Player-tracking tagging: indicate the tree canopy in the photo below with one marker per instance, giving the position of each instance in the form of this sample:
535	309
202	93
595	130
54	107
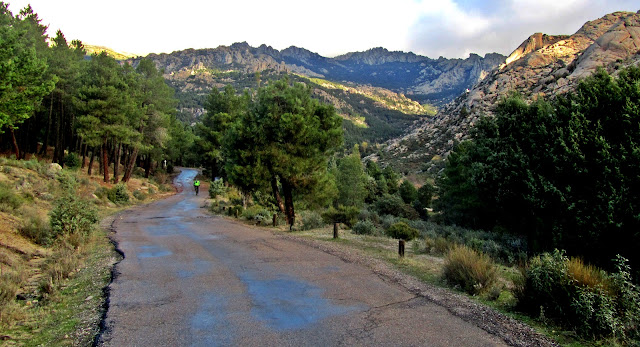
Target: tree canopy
565	173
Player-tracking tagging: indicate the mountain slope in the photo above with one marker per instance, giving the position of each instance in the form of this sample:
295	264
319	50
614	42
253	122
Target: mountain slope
541	66
376	91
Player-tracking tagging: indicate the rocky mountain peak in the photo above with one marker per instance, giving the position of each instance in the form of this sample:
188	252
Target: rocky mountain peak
543	65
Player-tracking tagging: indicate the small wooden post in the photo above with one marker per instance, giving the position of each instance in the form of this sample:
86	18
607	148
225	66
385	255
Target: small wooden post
335	230
275	219
401	248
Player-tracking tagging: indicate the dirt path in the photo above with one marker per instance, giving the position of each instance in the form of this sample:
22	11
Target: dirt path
192	279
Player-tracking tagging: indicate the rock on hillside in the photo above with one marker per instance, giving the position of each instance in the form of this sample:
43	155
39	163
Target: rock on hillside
541	66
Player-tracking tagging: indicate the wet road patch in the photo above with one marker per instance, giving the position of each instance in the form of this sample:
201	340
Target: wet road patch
210	325
152	252
285	303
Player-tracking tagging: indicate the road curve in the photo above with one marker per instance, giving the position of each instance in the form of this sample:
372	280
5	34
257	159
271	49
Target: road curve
192	279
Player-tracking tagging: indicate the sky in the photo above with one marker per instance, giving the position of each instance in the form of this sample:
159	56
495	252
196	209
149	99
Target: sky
433	28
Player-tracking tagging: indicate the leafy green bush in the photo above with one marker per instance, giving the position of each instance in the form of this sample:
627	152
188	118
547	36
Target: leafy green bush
365	227
72	161
402	231
310	220
473	272
581	297
217	188
118	194
9	200
72	215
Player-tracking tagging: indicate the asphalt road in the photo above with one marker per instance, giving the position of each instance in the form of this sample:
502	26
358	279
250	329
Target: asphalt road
192	279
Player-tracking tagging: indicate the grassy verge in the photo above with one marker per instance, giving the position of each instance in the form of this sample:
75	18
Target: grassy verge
51	284
70	316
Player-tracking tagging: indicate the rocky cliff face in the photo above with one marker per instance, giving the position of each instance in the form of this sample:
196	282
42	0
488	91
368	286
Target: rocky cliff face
541	66
423	79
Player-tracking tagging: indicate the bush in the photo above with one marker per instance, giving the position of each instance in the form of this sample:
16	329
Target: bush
72	161
236	210
310	220
258	213
469	270
71	215
139	195
9	201
101	192
118	194
402	231
581	297
217	188
365	227
37	230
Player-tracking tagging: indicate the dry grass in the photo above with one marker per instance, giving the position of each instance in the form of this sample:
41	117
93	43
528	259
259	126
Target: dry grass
473	272
587	275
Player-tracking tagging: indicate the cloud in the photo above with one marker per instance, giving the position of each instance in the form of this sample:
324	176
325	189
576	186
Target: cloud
457	28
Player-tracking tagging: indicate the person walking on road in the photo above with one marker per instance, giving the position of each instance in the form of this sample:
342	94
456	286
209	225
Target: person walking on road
196	186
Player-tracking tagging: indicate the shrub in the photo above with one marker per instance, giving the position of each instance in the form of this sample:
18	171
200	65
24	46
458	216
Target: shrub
101	192
10	282
310	220
9	200
402	231
37	229
235	210
139	195
580	296
72	161
473	272
118	194
365	227
391	205
258	213
217	188
72	215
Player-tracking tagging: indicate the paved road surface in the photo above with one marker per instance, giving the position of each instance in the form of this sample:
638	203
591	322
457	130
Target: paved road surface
192	279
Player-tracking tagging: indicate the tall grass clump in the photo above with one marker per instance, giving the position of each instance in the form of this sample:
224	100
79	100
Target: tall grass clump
9	200
473	272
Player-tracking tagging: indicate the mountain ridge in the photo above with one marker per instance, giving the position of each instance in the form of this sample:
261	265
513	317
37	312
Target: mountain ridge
542	66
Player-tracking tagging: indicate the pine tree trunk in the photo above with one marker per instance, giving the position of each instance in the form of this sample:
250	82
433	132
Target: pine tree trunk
287	190
84	155
105	161
147	166
45	144
130	164
15	143
116	164
93	154
276	194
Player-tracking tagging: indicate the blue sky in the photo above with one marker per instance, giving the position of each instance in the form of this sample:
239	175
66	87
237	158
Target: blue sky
449	28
